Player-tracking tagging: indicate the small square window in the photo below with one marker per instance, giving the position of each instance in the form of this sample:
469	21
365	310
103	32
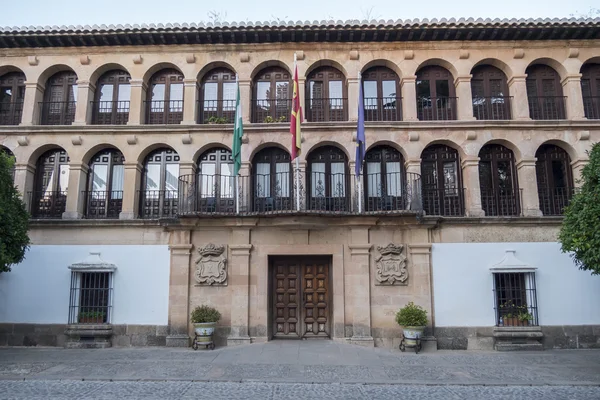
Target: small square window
515	299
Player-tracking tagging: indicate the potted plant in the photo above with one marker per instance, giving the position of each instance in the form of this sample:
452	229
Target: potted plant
216	120
91	317
524	316
413	319
513	315
205	319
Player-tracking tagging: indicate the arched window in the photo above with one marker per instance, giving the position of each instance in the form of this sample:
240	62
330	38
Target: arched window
272	94
328	180
104	196
498	181
217	97
12	93
384	180
272	180
160	184
442	185
544	93
489	90
60	99
554	179
111	105
590	89
51	184
381	94
436	97
165	98
11	155
216	181
326	95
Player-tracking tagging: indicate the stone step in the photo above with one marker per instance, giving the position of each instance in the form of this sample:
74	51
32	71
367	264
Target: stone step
519	347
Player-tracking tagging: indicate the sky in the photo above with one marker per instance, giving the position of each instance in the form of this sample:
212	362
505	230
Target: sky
86	12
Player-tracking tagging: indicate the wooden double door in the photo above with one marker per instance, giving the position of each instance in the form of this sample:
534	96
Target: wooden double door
300	297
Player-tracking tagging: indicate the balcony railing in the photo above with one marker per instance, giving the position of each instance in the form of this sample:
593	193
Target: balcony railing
446	202
501	202
271	110
554	201
327	110
591	107
158	203
383	109
103	204
10	113
492	108
57	112
110	112
216	112
547	107
393	191
47	204
436	109
164	112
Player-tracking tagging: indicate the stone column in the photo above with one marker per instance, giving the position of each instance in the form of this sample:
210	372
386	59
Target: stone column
132	177
85	94
246	100
239	279
413	183
179	289
470	167
574	101
421	274
136	102
519	105
24	176
528	189
408	86
577	167
353	99
190	103
34	94
358	284
75	198
464	103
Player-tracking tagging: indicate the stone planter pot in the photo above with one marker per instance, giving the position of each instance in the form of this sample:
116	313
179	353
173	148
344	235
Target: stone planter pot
411	334
204	333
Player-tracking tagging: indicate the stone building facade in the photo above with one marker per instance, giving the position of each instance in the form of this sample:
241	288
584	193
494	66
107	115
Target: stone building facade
476	133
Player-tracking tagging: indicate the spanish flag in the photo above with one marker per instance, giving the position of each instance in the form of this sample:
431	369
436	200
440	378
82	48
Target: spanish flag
296	118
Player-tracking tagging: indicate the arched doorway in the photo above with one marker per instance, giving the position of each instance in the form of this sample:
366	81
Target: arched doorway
217	97
60	99
104	194
51	183
436	96
498	181
12	94
544	93
159	194
489	90
442	183
381	95
384	180
165	98
216	183
554	179
272	180
272	96
111	100
328	183
326	96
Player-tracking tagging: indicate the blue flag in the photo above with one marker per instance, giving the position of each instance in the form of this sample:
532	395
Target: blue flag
360	131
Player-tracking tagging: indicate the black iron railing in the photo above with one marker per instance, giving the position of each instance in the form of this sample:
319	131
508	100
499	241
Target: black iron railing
216	112
515	299
11	113
47	204
392	191
57	112
103	204
158	203
501	202
436	109
327	110
553	201
492	108
383	109
547	107
328	192
90	300
591	107
164	112
271	110
446	202
110	112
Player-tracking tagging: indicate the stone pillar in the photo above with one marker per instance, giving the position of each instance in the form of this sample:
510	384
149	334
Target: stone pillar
353	99
85	94
413	184
358	284
34	94
577	167
246	100
528	189
303	179
24	177
75	198
239	279
408	86
190	103
136	102
131	185
470	167
179	289
421	274
464	103
574	101
519	105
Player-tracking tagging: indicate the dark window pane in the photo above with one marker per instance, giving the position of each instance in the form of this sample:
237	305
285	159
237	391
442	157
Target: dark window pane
559	174
442	89
423	89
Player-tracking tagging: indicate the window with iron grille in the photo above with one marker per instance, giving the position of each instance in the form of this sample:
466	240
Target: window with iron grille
515	298
91	297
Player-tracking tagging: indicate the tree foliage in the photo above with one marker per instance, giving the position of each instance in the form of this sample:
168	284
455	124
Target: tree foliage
14	219
580	231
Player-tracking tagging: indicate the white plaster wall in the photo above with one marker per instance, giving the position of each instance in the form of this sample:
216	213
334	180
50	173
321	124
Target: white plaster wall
462	284
37	290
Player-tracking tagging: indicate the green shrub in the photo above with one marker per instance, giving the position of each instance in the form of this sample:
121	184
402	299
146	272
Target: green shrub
411	315
203	314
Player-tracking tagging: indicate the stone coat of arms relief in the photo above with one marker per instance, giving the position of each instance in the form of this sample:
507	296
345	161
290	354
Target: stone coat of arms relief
391	266
211	266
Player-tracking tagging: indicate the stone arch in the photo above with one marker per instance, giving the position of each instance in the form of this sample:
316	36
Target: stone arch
552	63
326	63
50	71
591	60
501	65
157	67
149	149
104	68
506	143
38	152
267	64
7	69
440	62
213	65
380	62
207	147
446	142
328	143
563	145
263	146
90	153
389	143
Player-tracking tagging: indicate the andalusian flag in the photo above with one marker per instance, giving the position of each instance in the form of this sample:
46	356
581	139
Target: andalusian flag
296	118
238	132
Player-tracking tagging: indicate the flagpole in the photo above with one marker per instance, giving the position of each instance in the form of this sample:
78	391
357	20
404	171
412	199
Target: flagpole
297	158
